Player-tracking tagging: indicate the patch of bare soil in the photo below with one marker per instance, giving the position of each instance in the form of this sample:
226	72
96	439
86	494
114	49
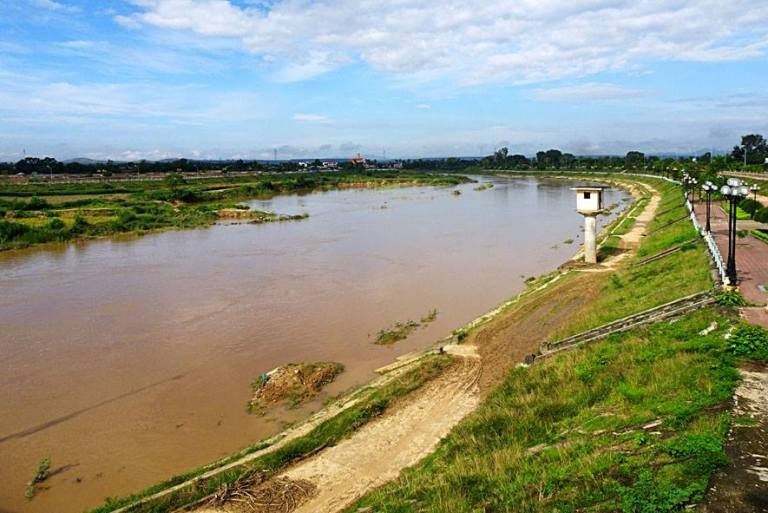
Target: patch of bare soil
377	452
742	485
295	382
505	341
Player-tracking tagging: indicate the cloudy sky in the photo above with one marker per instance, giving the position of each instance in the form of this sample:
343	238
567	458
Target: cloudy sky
239	78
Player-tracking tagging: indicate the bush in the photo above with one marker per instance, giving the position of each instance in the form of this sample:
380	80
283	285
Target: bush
730	298
10	231
749	340
762	215
750	205
56	224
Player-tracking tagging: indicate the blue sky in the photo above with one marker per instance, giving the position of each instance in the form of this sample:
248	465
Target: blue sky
236	79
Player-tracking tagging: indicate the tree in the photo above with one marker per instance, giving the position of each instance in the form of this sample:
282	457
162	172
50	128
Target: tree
634	159
174	180
753	149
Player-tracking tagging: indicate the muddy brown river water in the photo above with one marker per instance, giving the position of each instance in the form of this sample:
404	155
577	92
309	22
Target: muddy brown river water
128	361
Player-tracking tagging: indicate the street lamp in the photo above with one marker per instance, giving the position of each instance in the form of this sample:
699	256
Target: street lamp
754	190
734	191
708	188
688	183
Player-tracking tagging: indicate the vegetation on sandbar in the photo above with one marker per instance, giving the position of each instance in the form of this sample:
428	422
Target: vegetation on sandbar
401	330
54	212
295	383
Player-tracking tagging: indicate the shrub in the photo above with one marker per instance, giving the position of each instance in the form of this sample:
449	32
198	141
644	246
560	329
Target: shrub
749	340
730	298
762	215
80	225
750	205
10	231
56	224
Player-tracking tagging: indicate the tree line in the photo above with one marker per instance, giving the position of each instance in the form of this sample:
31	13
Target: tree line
752	153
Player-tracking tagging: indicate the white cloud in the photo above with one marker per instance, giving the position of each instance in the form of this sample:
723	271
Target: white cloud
423	106
470	42
590	91
49	4
309	117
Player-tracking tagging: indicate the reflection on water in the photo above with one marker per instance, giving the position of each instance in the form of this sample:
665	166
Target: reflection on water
130	360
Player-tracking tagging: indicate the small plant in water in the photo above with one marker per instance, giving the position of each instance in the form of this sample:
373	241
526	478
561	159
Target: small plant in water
399	331
431	316
41	474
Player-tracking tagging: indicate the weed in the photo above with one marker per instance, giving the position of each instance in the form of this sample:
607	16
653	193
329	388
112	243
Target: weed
430	317
749	340
41	474
730	297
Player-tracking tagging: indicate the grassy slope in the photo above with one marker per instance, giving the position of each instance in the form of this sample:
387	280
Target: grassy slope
634	288
588	407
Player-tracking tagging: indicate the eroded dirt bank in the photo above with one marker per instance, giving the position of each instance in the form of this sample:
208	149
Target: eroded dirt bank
742	485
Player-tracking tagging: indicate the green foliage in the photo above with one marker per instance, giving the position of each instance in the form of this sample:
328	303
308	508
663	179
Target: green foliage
649	494
750	206
761	234
730	297
749	340
41	474
762	215
399	331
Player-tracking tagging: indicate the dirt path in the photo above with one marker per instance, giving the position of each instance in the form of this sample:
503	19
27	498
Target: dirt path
742	486
377	452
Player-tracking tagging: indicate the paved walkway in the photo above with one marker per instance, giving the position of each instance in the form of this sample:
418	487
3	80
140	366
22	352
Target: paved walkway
751	260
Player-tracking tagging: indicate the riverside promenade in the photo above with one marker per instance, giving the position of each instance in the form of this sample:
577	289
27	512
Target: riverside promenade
751	259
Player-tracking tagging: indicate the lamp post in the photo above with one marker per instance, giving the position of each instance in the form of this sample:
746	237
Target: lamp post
708	187
754	190
734	191
688	183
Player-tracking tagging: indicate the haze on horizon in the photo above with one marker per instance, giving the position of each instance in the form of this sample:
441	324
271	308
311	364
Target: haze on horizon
158	79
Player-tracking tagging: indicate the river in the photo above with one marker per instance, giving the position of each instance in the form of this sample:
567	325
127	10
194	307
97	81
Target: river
126	361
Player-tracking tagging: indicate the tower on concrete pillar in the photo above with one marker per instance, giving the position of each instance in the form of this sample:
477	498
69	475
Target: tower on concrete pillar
589	203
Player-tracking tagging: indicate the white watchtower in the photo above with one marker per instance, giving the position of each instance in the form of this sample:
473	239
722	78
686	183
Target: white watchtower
589	203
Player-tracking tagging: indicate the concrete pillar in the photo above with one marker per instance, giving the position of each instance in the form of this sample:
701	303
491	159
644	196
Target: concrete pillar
590	239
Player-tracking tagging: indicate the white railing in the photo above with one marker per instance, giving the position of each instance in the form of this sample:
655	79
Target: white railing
714	252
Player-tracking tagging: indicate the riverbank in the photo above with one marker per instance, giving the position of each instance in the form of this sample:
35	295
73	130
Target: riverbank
188	318
68	212
564	291
583	429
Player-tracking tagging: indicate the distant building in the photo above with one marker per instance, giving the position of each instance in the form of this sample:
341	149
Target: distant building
358	159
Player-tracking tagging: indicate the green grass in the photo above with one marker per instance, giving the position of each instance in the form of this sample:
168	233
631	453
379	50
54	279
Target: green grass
374	402
760	234
634	288
567	435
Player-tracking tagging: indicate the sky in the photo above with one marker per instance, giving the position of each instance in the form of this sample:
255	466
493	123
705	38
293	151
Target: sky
226	79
